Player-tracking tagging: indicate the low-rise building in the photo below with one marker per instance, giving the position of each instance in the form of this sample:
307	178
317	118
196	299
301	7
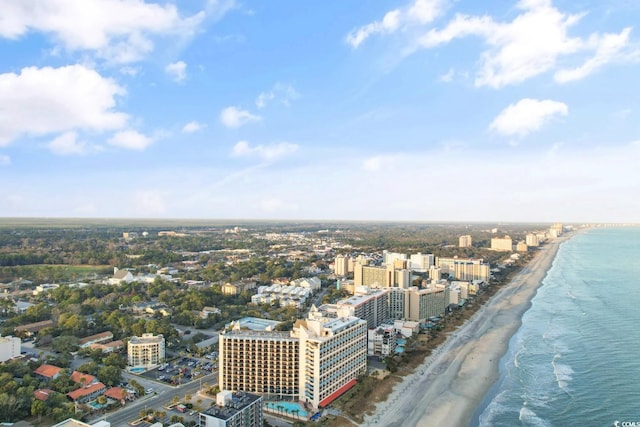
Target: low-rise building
48	372
88	393
108	347
97	338
31	329
381	341
238	409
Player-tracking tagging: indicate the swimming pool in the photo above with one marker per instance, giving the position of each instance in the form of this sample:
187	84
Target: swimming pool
287	408
96	405
137	370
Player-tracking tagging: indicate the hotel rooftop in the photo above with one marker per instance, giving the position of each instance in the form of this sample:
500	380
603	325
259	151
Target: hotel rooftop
238	402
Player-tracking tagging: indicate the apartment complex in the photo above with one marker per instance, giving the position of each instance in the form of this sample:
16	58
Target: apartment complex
368	304
421	262
341	265
381	277
9	348
532	240
315	362
465	241
264	362
502	244
464	268
233	410
147	350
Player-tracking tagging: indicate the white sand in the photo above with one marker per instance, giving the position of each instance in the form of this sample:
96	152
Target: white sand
451	383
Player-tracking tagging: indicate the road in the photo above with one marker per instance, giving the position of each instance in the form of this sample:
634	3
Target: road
163	397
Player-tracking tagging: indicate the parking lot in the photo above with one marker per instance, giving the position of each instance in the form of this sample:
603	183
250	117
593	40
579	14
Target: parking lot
181	370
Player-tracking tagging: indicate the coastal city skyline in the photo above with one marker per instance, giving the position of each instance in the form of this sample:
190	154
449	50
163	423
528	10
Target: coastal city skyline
423	110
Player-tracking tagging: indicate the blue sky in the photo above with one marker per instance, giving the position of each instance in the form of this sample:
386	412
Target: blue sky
426	110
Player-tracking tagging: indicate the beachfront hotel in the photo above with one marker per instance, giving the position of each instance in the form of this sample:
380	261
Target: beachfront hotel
504	244
315	362
145	351
381	277
464	268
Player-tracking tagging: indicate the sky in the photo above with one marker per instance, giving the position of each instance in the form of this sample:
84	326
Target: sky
423	110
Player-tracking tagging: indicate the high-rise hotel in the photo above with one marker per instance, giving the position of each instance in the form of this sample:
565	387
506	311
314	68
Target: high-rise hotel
314	363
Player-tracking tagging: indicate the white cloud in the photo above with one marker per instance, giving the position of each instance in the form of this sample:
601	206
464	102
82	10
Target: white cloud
529	45
265	152
117	30
131	140
448	76
526	116
5	160
389	24
39	101
177	71
283	93
607	49
378	163
192	127
68	144
420	12
233	117
216	9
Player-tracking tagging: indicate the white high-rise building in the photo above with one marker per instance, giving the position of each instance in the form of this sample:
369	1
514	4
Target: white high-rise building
316	362
421	262
465	268
9	348
146	351
532	240
388	258
502	244
465	241
341	265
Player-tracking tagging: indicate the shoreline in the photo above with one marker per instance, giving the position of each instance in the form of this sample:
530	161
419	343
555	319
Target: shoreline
450	385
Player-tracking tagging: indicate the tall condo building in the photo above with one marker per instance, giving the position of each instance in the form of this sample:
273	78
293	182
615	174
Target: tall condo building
532	240
465	268
341	265
381	277
147	350
417	304
316	362
465	241
388	258
502	244
421	262
9	348
368	304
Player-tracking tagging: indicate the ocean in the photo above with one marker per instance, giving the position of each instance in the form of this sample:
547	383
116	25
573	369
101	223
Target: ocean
575	361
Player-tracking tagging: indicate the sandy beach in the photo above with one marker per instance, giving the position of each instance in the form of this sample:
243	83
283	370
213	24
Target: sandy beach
448	387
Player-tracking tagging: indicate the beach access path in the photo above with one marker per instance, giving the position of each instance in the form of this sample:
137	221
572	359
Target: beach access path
450	384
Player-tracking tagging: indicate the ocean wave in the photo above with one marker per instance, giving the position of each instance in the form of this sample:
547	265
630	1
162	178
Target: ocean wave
563	373
493	410
530	418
